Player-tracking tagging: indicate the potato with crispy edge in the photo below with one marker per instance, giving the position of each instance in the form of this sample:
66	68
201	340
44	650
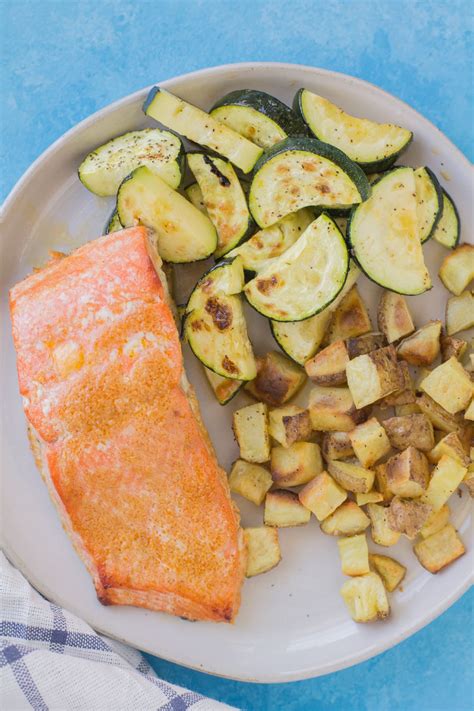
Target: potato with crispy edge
393	316
408	473
469	479
333	410
469	413
337	445
369	442
457	268
391	571
250	425
347	520
366	598
410	408
352	477
438	416
263	550
354	554
446	477
250	481
408	516
460	312
440	549
278	379
452	446
350	319
452	346
322	496
381	483
372	497
372	376
381	531
283	508
405	395
423	346
328	367
289	424
297	464
410	431
436	521
450	386
361	345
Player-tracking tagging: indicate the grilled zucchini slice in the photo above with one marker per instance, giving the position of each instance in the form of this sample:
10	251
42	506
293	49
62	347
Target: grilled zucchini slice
194	194
196	125
374	146
383	233
429	202
113	223
223	388
448	229
303	172
105	168
306	278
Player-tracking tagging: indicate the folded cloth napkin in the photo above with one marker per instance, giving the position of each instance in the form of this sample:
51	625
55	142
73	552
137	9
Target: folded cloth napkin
50	659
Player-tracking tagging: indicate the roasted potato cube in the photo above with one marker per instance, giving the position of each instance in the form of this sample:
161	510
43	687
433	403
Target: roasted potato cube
440	549
436	521
297	464
469	414
347	520
421	374
369	442
354	555
365	344
322	496
438	416
457	268
352	477
372	497
446	477
337	445
405	395
469	479
451	445
283	508
460	312
328	367
250	481
289	424
409	409
350	319
278	379
381	482
408	473
366	598
393	316
410	431
408	516
263	550
250	427
452	346
391	571
450	386
423	346
382	533
373	376
333	409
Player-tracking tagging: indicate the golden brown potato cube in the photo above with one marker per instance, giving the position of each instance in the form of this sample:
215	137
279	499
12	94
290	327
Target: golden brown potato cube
440	549
250	481
297	464
391	571
393	316
250	427
452	346
289	424
410	431
278	379
457	268
354	554
263	550
372	497
408	516
450	386
409	409
350	319
381	483
352	477
451	445
438	416
421	374
423	346
365	344
366	598
446	477
436	521
460	312
408	473
283	508
405	395
322	496
333	410
469	414
469	479
347	520
337	445
382	533
373	376
369	442
328	367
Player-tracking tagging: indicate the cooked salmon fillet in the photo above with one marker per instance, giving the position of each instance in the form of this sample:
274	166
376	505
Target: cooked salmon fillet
116	431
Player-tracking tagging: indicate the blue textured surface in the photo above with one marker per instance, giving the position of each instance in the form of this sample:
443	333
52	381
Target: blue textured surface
63	60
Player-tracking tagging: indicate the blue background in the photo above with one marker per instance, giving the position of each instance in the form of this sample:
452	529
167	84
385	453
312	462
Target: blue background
63	60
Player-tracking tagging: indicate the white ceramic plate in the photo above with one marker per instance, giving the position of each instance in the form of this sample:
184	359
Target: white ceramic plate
293	623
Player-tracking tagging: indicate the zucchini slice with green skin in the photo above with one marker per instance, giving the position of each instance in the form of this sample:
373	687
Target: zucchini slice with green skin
374	146
269	243
448	230
183	233
224	199
223	388
258	116
194	194
113	223
227	276
303	172
429	200
383	233
304	279
105	168
300	340
198	126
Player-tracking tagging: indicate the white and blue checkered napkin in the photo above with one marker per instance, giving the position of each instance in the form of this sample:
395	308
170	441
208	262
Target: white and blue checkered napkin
52	660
